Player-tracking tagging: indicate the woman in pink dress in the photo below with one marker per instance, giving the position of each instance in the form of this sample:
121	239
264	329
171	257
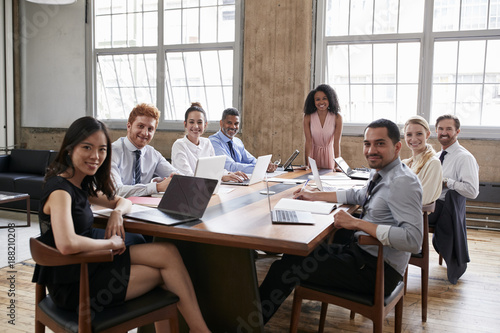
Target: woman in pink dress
322	126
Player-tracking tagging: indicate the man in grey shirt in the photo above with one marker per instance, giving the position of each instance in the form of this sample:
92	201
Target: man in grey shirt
391	212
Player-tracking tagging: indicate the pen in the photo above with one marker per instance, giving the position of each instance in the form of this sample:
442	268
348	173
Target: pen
304	186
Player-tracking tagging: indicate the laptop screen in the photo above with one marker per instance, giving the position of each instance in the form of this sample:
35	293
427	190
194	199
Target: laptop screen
188	195
343	165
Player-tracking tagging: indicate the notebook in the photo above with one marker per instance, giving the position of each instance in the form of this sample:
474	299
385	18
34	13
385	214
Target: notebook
317	178
185	199
258	174
212	168
353	174
287	166
287	216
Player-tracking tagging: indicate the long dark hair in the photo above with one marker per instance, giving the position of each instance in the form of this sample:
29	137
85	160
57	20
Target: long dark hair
79	130
333	100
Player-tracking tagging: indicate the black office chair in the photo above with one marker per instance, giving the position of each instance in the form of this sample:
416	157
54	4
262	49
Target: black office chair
374	306
157	305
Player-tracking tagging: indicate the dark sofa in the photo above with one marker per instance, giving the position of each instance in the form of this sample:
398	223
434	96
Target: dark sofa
22	171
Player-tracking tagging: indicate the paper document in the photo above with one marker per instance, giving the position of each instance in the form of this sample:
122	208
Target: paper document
316	207
107	211
286	180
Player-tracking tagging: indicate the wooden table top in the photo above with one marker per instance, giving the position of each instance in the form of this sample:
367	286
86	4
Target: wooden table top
241	218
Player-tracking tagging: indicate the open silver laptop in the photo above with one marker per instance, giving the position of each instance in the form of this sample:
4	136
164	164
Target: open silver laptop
185	199
287	166
212	168
317	178
258	173
279	216
353	174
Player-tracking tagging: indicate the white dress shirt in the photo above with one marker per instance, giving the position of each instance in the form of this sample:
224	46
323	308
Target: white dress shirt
461	170
153	164
185	154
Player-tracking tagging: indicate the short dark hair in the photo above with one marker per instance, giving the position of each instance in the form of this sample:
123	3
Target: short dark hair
195	106
230	112
449	116
392	129
79	130
333	100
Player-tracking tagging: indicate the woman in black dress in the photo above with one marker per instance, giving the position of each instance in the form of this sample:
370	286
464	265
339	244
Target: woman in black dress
79	177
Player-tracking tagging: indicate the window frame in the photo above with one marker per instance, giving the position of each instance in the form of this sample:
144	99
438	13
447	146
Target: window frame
427	39
161	50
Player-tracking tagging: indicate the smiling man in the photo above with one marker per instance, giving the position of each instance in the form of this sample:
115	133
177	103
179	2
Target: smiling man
392	213
460	181
225	143
134	162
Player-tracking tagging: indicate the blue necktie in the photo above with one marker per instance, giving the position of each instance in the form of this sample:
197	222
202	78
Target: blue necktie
443	154
137	168
231	149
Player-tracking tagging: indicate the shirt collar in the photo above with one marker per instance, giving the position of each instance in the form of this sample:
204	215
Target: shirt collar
223	137
453	148
129	145
389	167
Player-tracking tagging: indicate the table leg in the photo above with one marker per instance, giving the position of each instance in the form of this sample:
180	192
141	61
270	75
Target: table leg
226	286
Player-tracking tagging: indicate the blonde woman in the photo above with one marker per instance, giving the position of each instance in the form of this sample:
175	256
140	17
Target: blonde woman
423	160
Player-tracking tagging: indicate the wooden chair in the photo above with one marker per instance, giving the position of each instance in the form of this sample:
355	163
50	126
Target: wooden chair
422	259
157	305
374	306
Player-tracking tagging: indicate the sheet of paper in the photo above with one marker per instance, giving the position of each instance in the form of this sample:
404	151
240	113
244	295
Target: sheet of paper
107	211
285	180
317	207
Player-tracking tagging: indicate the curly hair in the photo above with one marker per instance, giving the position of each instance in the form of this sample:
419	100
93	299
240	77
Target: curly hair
333	101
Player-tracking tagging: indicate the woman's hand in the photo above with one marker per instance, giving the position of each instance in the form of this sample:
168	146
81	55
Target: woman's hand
237	177
117	245
115	225
303	195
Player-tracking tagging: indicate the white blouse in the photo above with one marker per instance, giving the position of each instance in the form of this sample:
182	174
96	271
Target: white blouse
431	178
185	154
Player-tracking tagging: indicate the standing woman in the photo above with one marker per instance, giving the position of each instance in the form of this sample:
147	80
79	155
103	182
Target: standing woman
423	160
322	126
187	150
81	176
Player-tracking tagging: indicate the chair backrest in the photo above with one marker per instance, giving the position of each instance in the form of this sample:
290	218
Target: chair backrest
379	277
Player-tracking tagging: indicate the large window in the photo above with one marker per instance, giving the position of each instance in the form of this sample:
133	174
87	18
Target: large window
397	58
168	53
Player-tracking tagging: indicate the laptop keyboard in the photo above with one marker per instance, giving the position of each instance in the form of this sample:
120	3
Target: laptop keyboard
285	216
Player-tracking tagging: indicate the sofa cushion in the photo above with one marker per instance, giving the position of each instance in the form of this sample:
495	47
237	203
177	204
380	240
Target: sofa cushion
8	181
31	185
29	161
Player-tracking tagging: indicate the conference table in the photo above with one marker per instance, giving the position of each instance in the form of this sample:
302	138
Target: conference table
218	250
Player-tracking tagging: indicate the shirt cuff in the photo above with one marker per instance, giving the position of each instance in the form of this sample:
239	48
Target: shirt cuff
151	188
383	234
342	196
450	184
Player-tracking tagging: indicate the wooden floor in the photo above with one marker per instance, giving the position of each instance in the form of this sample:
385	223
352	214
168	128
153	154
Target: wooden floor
472	305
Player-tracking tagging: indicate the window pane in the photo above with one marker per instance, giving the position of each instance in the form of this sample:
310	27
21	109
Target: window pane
124	81
407	102
338	65
384	101
491	105
384	63
361	17
172	24
226	23
337	18
469	98
411	16
408	62
446	15
494	20
492	62
198	76
208	25
471	61
443	100
361	104
386	16
474	14
360	63
445	62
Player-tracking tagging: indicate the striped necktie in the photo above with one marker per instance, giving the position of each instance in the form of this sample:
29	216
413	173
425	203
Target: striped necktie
137	167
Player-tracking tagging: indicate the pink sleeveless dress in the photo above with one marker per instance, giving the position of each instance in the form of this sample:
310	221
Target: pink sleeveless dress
322	140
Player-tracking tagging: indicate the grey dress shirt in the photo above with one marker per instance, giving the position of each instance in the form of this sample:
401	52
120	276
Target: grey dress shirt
396	207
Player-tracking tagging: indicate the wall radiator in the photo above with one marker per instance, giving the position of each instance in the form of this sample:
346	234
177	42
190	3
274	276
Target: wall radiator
484	211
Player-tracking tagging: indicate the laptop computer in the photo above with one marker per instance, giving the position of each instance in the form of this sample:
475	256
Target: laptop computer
212	168
185	199
353	174
317	178
279	216
287	166
258	173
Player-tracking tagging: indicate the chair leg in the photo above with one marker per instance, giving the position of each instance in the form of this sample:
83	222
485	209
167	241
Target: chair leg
405	278
440	260
353	314
425	290
398	316
322	317
296	307
39	327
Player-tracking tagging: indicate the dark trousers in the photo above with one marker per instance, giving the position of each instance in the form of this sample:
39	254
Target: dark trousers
344	266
